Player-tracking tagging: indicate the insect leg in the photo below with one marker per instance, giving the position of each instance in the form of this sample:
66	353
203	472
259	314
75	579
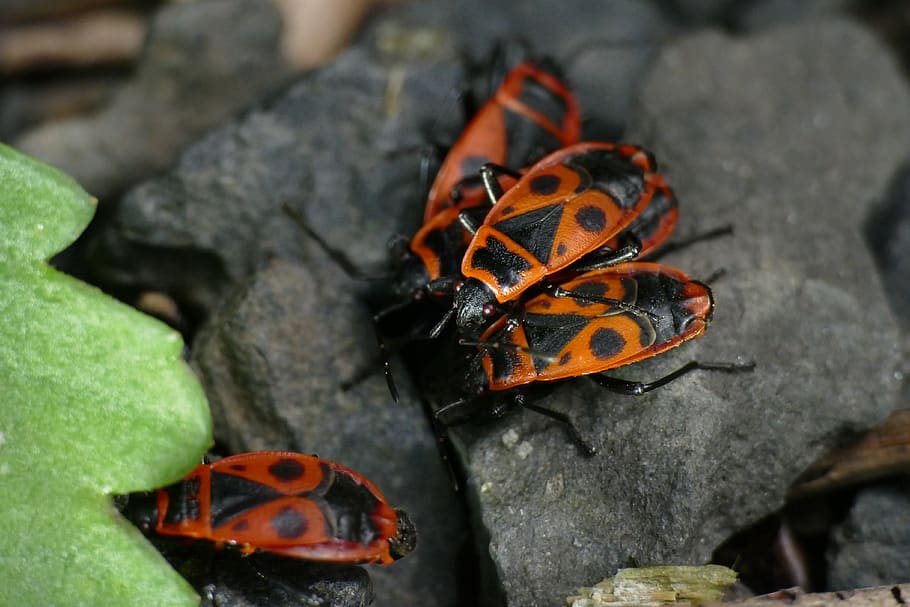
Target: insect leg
605	257
586	448
636	388
488	173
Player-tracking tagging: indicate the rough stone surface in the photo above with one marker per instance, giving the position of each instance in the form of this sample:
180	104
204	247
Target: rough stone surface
187	81
888	234
342	146
229	579
604	47
790	136
272	360
872	546
769	13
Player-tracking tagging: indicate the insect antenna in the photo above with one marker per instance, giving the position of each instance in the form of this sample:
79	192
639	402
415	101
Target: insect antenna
618	303
604	42
442	324
719	231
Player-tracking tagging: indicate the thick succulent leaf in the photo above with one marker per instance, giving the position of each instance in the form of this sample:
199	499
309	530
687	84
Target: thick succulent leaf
94	400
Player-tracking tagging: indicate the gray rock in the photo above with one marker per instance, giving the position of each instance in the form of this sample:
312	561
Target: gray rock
769	13
701	12
344	143
272	360
342	146
190	78
604	47
790	136
888	234
872	546
229	579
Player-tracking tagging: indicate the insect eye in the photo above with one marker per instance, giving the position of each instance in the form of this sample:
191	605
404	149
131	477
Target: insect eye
418	294
456	286
489	310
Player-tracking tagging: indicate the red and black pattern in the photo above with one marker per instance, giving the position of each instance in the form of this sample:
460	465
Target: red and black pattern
280	502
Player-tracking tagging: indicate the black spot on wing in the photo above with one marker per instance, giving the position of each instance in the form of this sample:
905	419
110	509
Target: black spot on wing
545	185
591	219
287	470
289	524
606	343
589	289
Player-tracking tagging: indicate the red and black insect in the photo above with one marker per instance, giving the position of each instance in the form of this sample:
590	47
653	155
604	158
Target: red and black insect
599	321
569	205
279	502
532	113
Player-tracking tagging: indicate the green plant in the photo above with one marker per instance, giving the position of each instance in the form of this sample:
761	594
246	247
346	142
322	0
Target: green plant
94	400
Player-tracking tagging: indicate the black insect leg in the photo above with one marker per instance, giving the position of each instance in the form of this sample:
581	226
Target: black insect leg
605	258
724	230
586	448
489	173
471	218
636	388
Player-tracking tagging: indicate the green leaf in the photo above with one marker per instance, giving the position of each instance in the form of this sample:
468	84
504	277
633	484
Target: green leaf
94	400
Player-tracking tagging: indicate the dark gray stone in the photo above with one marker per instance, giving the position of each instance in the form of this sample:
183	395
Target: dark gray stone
790	136
230	579
190	77
342	146
769	13
604	47
888	234
700	12
272	360
872	546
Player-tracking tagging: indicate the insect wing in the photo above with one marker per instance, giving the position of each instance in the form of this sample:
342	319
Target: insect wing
566	206
565	337
532	113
